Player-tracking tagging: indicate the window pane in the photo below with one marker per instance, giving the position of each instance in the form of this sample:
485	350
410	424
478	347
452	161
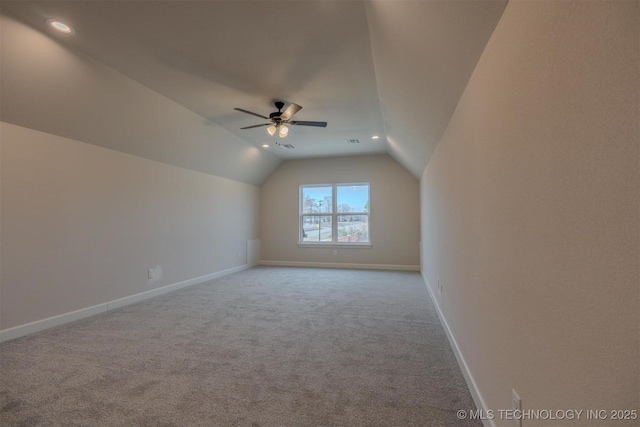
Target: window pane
316	228
353	228
316	200
353	198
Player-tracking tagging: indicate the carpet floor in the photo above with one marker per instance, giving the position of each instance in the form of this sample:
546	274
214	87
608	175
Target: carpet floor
264	347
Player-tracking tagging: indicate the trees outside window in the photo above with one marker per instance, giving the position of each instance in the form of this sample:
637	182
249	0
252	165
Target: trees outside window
334	213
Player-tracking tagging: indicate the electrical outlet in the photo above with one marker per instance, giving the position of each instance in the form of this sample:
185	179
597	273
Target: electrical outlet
150	274
516	405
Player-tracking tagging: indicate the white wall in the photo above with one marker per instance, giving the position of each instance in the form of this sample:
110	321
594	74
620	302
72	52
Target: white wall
395	211
82	224
530	211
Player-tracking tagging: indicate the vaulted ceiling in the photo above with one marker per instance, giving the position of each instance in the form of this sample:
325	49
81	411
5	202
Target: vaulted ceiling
160	79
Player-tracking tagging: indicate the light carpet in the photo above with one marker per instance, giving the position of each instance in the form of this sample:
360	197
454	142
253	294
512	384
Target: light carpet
268	346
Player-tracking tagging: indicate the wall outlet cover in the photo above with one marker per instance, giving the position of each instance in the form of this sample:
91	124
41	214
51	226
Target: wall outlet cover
516	405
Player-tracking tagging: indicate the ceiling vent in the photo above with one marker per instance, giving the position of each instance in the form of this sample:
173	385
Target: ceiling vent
352	141
286	146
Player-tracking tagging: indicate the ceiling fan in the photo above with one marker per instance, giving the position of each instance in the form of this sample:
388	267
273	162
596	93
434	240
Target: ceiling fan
279	120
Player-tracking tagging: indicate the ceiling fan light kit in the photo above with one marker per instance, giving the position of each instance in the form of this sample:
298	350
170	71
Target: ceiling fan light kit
282	130
279	120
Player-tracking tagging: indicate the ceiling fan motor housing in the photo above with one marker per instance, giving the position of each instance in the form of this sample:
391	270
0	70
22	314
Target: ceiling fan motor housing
275	116
280	118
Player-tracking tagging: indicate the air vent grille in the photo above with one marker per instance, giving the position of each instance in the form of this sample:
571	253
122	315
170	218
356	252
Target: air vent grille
287	146
352	141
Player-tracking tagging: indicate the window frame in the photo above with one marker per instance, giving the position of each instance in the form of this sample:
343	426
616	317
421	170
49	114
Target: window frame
334	214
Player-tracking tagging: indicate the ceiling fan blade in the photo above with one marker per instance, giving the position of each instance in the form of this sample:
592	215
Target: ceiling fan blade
290	111
253	114
317	124
256	126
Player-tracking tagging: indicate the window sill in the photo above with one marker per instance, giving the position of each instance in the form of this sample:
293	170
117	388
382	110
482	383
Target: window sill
335	245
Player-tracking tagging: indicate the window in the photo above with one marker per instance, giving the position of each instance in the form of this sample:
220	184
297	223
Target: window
334	214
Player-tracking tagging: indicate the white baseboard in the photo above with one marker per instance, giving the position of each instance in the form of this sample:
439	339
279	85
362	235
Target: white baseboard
473	387
50	322
341	265
111	305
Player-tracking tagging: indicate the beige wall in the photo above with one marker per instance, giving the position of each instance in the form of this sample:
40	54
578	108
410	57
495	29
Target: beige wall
82	224
52	87
530	211
394	220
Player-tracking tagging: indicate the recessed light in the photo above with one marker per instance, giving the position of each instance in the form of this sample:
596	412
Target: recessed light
265	145
60	26
375	137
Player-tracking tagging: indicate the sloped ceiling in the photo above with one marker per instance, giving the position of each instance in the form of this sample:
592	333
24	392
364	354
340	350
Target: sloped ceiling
160	79
424	53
